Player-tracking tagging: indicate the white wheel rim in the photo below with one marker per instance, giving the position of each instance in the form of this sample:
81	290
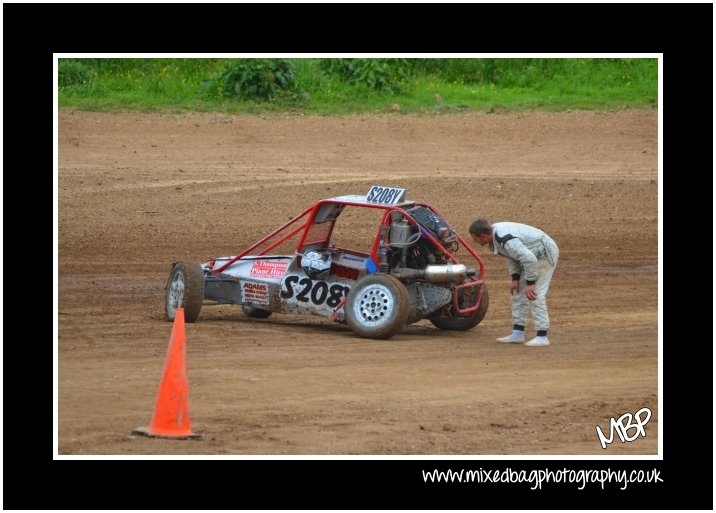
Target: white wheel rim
373	306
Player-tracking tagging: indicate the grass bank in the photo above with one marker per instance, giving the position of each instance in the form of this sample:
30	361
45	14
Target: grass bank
344	86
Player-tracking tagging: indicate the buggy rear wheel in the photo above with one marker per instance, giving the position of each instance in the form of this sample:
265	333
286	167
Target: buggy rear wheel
185	288
256	313
445	321
377	306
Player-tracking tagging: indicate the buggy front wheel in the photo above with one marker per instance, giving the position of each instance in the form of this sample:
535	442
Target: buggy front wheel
185	288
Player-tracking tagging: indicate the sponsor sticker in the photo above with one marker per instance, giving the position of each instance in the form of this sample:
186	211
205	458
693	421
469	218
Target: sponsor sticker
272	269
255	292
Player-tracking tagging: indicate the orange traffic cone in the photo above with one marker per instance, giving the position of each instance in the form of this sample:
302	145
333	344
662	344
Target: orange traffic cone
171	412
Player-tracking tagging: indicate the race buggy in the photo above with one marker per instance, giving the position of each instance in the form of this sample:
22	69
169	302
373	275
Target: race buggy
406	271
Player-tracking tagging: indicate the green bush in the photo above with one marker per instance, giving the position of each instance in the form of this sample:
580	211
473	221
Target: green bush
388	75
251	79
460	71
72	73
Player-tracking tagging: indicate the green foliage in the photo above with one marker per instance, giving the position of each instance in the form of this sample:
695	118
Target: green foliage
340	86
463	71
251	79
540	73
387	75
72	73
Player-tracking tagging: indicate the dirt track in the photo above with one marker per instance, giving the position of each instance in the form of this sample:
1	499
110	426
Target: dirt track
137	192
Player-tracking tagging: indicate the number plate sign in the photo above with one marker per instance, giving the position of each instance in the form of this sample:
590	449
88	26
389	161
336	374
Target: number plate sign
385	195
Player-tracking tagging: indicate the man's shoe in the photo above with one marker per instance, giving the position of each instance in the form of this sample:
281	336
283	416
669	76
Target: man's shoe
512	339
538	341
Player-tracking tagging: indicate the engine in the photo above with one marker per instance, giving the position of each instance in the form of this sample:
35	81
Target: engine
412	255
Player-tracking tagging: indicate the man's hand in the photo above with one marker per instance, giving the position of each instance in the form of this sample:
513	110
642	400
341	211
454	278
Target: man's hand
530	292
515	287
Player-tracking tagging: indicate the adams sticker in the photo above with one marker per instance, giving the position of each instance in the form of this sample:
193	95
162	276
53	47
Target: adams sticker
256	293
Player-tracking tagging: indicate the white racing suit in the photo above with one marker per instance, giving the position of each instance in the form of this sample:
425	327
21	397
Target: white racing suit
532	255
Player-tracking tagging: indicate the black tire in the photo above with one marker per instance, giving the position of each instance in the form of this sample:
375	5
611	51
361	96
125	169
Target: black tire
377	306
185	288
256	313
445	321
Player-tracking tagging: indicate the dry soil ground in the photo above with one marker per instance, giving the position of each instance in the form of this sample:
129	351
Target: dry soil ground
139	191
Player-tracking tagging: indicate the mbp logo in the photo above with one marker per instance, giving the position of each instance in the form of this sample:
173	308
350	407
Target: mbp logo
623	424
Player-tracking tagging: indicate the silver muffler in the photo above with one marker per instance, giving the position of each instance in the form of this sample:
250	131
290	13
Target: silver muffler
448	273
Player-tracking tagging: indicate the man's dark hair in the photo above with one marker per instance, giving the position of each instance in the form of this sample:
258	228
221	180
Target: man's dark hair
480	226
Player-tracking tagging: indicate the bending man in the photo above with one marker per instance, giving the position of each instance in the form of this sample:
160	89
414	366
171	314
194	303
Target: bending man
531	258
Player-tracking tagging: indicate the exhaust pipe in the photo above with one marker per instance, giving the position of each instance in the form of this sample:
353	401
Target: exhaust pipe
436	273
